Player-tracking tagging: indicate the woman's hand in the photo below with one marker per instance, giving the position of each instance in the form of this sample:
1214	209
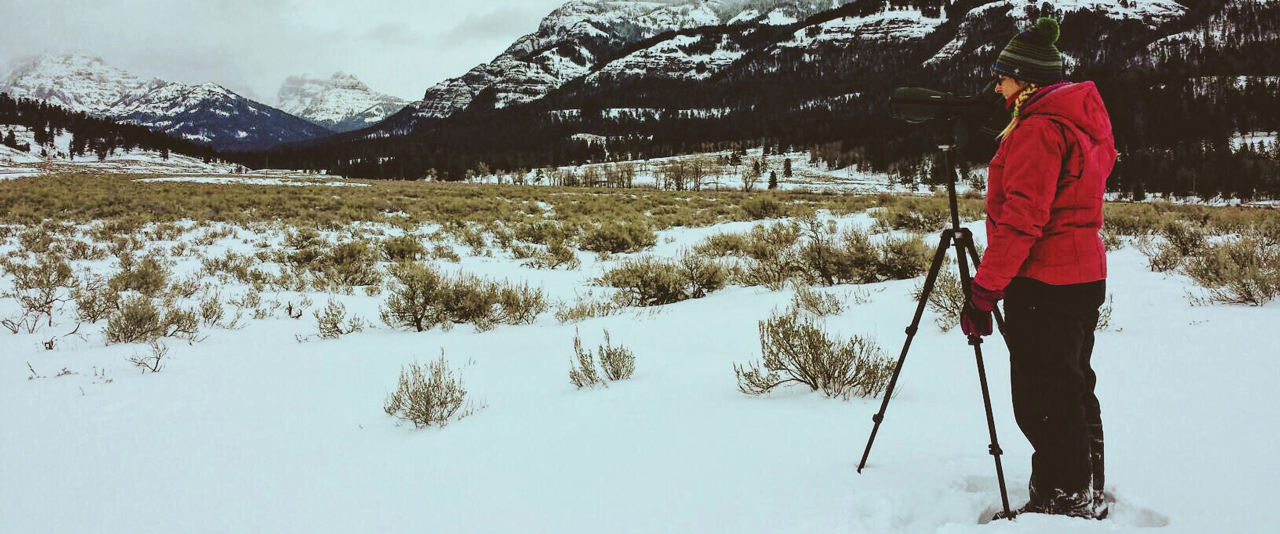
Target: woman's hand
975	318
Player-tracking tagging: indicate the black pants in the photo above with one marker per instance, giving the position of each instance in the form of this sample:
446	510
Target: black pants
1050	338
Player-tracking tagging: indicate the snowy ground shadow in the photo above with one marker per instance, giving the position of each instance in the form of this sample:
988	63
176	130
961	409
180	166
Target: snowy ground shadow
968	504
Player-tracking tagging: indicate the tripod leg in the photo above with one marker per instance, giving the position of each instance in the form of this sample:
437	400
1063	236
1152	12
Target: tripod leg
938	257
964	242
973	253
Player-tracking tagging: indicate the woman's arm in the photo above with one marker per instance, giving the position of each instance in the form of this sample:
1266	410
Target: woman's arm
1030	180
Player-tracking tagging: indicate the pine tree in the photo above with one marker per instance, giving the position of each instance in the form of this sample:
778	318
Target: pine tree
786	167
773	179
41	134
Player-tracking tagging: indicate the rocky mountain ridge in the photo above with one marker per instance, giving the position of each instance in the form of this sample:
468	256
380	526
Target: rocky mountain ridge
573	40
340	103
206	112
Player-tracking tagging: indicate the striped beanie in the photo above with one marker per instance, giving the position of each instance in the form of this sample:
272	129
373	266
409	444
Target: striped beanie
1031	55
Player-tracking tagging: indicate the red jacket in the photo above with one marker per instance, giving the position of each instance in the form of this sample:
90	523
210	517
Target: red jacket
1044	191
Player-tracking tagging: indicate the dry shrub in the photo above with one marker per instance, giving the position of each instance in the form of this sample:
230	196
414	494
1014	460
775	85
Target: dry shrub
1111	240
446	253
811	251
1241	270
795	349
626	235
913	216
153	362
855	259
78	250
94	299
186	287
1181	241
762	207
1132	219
830	258
646	281
816	302
39	290
946	299
238	266
333	322
557	254
721	245
426	396
1104	315
404	248
902	258
771	256
138	320
148	276
211	312
585	307
422	298
617	363
543	232
347	265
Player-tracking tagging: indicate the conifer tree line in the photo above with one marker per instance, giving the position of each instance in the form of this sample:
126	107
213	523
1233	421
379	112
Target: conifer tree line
1177	106
91	137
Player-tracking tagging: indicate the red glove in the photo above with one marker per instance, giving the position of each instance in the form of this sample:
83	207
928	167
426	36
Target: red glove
975	318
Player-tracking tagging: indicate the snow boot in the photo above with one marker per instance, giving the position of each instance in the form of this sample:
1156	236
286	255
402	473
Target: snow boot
1101	504
1079	505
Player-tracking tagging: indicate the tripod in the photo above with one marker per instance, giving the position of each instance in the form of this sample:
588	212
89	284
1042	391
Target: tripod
962	240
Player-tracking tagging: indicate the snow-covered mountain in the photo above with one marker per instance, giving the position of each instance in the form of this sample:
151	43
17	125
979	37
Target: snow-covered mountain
578	37
341	103
598	38
77	82
208	112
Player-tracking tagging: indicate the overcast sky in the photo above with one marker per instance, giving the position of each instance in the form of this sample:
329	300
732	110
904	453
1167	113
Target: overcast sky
399	47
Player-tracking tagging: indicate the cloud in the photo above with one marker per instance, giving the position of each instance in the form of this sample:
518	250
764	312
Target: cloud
250	46
485	28
392	33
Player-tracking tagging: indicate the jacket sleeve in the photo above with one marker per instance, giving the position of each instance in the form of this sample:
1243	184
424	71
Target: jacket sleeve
1031	170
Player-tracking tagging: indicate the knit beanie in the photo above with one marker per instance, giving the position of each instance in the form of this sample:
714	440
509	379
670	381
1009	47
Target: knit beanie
1031	55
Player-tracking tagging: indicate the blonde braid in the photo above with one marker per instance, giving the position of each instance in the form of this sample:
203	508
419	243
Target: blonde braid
1017	109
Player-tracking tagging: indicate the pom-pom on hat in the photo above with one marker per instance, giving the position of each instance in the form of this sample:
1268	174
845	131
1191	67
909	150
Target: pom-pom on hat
1031	55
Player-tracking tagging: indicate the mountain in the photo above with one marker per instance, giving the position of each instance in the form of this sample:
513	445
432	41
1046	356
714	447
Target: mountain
76	82
574	39
340	103
206	113
37	132
1185	81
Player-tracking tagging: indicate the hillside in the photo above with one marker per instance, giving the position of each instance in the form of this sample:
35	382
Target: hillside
1165	69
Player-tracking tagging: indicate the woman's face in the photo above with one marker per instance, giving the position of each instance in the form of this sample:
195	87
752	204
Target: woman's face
1007	87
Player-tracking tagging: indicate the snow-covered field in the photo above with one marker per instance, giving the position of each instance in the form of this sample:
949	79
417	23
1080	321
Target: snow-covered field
252	430
806	176
19	163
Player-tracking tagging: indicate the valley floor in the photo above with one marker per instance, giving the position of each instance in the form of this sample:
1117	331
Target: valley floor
268	428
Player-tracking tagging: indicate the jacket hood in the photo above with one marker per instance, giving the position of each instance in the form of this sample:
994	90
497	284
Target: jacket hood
1076	103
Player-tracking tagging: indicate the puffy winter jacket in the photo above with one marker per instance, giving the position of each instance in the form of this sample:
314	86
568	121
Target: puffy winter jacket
1045	188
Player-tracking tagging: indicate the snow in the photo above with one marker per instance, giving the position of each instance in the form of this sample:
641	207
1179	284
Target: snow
252	431
1262	139
744	17
138	161
889	25
671	59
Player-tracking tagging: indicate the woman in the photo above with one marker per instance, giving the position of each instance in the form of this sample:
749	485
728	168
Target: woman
1046	260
